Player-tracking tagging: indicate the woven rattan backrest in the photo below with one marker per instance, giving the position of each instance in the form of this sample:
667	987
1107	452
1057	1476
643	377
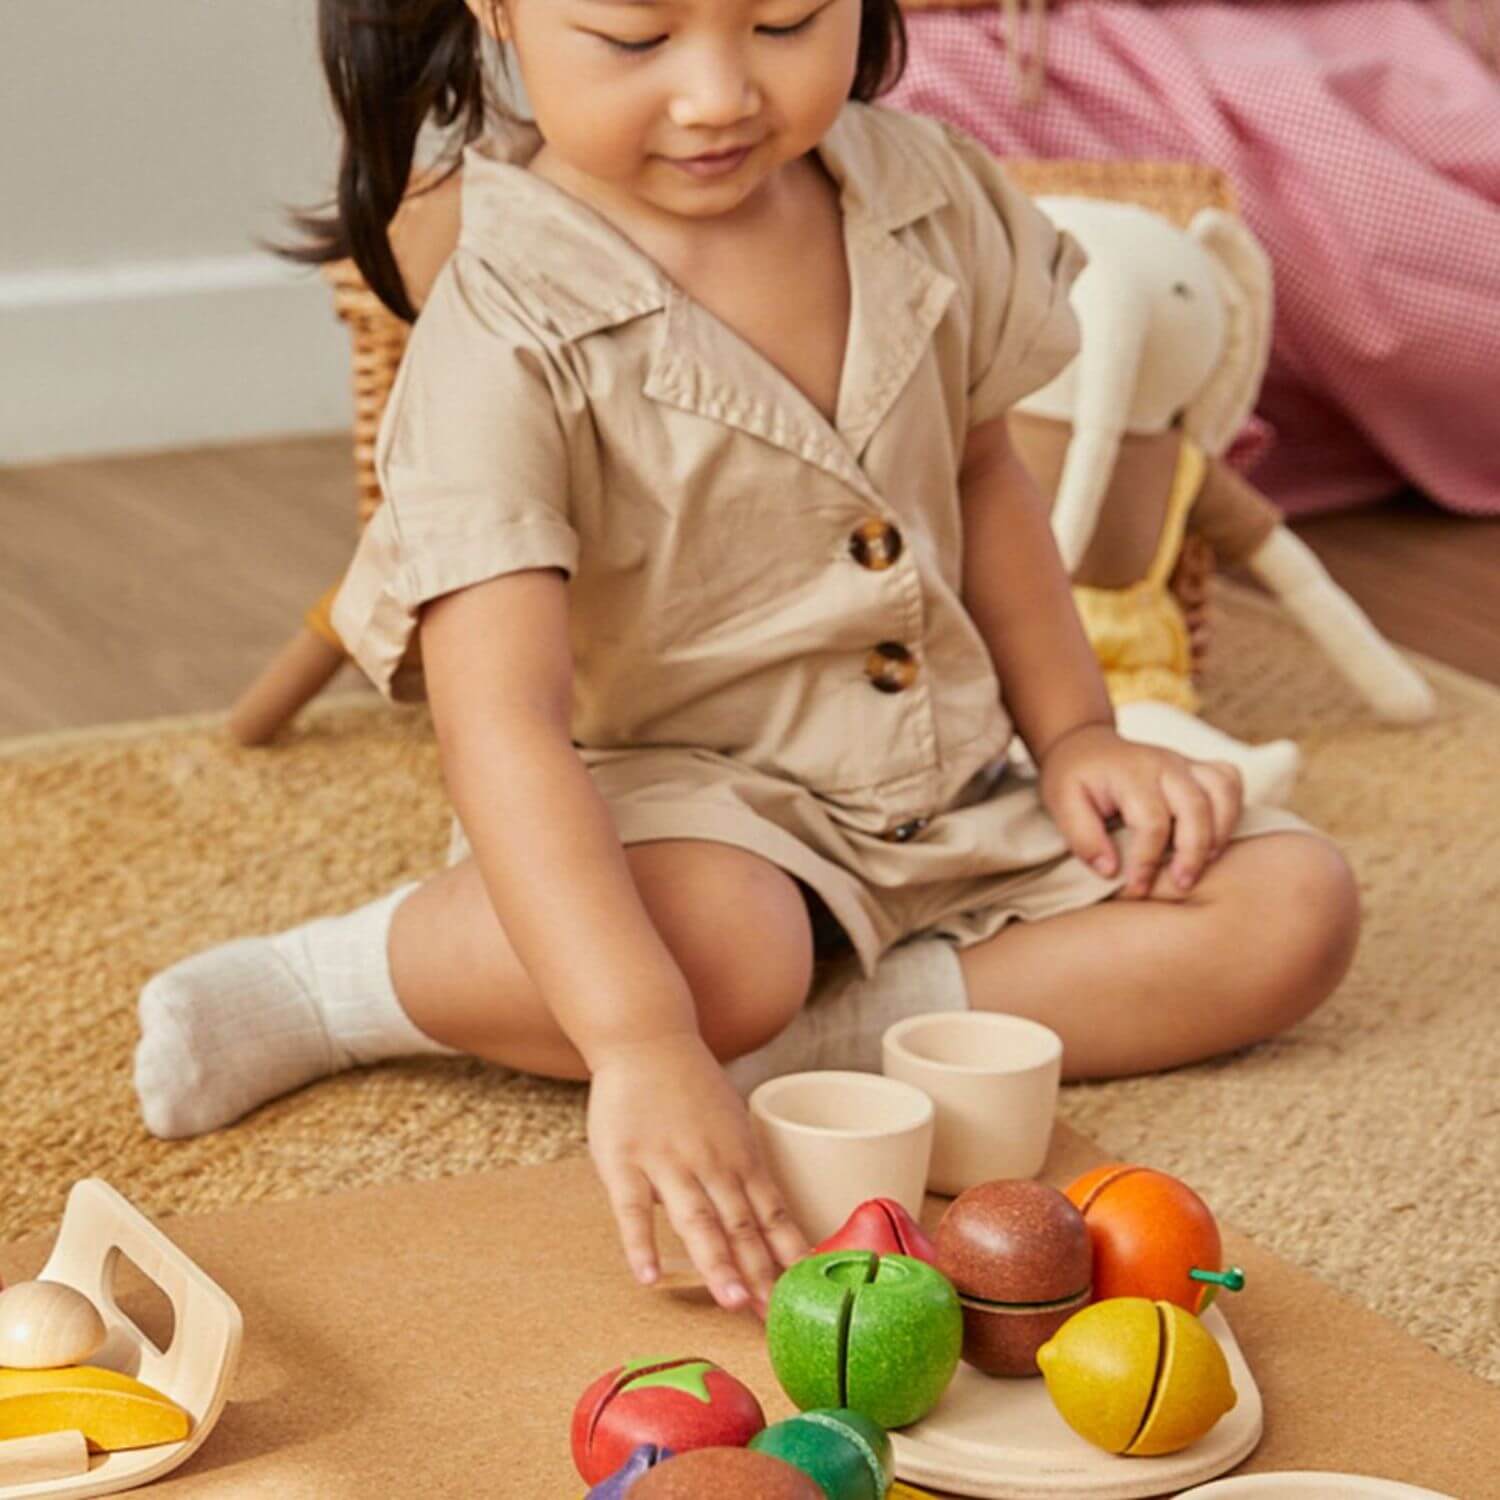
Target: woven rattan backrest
378	339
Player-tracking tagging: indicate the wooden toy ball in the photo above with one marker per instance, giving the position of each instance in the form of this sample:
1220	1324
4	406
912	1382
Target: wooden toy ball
44	1324
877	1333
725	1474
681	1404
848	1455
1137	1377
1018	1252
1153	1237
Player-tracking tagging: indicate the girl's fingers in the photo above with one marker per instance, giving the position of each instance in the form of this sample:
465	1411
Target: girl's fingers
785	1238
631	1197
1149	820
696	1220
1192	828
1083	827
782	1233
747	1243
1225	788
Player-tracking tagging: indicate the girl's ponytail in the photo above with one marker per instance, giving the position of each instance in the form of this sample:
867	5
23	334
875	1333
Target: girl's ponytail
882	49
391	66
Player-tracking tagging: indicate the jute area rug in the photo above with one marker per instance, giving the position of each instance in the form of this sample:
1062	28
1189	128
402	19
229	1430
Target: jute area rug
1364	1145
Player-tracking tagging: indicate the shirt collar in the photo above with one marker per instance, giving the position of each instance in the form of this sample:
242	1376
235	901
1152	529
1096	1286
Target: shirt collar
583	275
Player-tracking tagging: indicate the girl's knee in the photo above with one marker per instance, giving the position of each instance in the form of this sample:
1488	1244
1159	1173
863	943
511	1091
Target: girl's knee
1309	928
739	929
760	974
753	998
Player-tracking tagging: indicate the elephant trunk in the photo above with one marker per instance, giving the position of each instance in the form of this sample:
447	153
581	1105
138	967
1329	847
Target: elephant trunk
1107	370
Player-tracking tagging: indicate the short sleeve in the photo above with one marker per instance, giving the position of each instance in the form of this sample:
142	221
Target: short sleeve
1022	266
473	462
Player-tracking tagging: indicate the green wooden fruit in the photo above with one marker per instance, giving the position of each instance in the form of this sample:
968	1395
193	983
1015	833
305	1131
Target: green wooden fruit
844	1451
880	1334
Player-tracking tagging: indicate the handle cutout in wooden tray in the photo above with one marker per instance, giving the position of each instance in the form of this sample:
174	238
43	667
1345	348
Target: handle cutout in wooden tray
101	1233
141	1301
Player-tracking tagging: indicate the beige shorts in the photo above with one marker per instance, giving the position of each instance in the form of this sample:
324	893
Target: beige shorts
993	857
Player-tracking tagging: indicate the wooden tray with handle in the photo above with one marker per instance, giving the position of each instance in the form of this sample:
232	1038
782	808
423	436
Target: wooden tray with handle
195	1368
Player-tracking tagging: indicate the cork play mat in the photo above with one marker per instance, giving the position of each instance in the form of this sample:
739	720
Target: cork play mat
1364	1146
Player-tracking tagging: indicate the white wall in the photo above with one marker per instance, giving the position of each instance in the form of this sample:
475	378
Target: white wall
144	146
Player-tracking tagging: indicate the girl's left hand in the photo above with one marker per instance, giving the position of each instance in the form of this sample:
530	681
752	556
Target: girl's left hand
1166	801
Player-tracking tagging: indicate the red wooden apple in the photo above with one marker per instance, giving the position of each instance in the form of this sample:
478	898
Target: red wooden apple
881	1225
679	1404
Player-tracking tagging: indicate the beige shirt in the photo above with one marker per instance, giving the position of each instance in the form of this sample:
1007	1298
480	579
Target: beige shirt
770	648
746	577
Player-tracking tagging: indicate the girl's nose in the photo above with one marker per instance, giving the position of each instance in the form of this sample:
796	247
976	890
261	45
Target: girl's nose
714	92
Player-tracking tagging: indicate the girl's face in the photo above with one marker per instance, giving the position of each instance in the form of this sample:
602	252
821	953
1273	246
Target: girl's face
685	106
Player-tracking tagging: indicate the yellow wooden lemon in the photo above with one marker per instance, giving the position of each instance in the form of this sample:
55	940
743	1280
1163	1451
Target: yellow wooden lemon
111	1410
1193	1389
1136	1377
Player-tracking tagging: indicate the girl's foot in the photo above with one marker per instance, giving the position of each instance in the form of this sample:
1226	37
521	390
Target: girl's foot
229	1028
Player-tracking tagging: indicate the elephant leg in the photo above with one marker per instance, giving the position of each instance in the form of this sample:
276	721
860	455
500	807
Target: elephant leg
1367	661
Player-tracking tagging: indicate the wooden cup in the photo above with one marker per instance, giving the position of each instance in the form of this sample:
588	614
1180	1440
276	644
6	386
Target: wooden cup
832	1140
993	1079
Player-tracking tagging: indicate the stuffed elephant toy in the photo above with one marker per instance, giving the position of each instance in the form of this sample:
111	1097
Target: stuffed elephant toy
1127	441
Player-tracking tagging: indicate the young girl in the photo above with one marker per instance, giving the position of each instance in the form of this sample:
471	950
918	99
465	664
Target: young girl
730	593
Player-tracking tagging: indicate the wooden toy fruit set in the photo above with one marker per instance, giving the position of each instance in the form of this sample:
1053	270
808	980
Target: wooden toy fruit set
1102	1290
88	1404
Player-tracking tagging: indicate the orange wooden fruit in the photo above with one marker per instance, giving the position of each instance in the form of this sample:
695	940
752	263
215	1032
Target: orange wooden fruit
1149	1230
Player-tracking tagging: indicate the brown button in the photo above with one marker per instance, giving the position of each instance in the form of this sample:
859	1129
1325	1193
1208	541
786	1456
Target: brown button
876	545
891	667
904	832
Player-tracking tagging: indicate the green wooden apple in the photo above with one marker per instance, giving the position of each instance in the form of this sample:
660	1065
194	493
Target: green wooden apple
880	1334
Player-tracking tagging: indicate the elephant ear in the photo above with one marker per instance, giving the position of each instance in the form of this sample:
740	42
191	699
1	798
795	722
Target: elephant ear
1219	410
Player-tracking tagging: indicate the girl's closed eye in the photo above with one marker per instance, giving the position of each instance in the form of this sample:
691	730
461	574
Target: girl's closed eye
792	28
620	45
648	44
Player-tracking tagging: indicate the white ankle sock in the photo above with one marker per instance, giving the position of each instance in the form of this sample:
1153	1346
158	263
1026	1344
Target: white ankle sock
229	1028
844	1019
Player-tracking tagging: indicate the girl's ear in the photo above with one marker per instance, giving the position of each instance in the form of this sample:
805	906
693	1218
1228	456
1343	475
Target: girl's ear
491	18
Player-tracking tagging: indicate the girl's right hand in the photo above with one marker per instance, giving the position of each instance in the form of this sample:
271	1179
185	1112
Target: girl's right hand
666	1125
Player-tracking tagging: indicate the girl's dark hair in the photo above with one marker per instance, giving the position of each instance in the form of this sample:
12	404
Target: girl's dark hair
394	66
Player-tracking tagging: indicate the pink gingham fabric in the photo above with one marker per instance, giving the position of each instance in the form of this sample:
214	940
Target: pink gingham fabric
1363	140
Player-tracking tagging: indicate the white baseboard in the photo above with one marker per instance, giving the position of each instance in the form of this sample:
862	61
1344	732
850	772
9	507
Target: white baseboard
167	354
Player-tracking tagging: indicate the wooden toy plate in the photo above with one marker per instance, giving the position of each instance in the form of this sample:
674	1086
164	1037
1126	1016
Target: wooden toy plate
194	1369
1004	1440
1307	1484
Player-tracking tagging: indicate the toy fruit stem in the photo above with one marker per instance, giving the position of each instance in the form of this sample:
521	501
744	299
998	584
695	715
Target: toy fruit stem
1232	1280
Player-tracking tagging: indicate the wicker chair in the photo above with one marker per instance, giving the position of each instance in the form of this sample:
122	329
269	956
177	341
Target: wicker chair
305	665
1177	190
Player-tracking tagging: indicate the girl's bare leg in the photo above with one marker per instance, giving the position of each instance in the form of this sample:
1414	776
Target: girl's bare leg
1136	986
735	924
428	969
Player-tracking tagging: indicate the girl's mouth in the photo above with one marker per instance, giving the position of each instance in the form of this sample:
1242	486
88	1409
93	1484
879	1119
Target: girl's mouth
720	164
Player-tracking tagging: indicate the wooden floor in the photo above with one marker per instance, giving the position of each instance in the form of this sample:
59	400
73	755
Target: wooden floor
141	586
